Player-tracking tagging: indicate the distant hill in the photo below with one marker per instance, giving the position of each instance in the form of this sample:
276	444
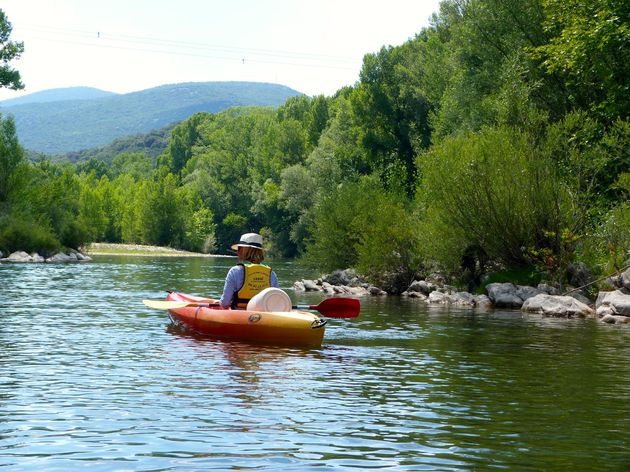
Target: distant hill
60	127
58	95
152	144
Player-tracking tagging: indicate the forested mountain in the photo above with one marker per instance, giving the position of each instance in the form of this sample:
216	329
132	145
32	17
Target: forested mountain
59	127
495	141
57	95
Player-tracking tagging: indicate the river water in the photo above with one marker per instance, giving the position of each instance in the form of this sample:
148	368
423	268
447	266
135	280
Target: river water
92	379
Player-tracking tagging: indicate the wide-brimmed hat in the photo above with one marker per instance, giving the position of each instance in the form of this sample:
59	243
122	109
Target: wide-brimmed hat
249	240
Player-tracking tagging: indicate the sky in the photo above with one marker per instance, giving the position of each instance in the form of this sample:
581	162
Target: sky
315	47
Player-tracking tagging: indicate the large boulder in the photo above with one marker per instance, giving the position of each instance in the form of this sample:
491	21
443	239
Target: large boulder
62	257
508	295
422	286
19	256
625	279
343	277
556	305
613	303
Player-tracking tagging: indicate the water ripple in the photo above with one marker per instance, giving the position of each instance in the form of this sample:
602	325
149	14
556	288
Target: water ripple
89	377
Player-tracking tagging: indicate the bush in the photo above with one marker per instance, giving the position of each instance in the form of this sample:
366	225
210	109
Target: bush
24	235
491	190
360	225
607	248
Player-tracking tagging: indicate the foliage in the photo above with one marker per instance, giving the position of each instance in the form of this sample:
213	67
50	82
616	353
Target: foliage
152	144
607	247
9	50
496	192
360	225
22	234
12	165
589	50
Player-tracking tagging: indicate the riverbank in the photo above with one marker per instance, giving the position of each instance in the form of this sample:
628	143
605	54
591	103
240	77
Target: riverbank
110	249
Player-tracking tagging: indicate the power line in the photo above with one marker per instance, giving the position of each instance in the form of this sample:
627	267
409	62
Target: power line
165	46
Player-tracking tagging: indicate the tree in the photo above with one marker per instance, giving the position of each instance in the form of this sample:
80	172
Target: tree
12	161
9	50
589	50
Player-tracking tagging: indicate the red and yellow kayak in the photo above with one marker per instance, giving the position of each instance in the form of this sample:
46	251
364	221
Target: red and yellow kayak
295	328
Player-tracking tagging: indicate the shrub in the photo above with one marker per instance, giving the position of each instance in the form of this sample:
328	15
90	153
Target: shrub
491	190
25	235
360	225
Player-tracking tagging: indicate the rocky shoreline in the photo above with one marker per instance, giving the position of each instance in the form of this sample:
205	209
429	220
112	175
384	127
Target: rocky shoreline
21	256
610	306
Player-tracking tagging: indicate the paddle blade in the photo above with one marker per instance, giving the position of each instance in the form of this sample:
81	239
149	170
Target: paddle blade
338	307
165	304
173	304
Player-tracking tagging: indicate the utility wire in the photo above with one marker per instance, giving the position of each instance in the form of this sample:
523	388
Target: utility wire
165	46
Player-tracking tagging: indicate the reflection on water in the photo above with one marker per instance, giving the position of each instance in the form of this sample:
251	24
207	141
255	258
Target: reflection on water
89	377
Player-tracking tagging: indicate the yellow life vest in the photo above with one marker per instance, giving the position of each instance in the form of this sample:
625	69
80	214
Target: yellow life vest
257	278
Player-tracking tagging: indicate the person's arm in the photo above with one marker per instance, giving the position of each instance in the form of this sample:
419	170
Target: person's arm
273	279
233	282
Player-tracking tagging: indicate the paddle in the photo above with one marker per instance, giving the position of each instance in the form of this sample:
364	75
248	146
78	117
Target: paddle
337	307
173	304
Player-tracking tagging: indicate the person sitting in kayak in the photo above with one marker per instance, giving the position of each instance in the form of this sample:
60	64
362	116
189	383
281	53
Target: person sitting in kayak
250	276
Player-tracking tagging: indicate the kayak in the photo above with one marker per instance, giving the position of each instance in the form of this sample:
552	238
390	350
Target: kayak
295	328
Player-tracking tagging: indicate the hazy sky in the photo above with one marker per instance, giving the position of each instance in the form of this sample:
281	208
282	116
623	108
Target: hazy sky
315	47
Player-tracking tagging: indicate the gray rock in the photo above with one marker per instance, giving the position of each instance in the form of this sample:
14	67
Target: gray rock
342	277
548	289
579	296
359	291
625	279
328	288
37	258
438	298
504	295
462	299
19	256
299	286
618	301
376	291
311	286
615	319
556	305
525	291
61	257
420	296
483	301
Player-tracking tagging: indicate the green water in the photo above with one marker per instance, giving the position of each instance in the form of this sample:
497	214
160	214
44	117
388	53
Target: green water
92	379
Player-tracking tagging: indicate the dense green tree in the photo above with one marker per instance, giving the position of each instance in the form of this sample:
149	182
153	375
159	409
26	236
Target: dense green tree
12	162
492	190
97	166
136	164
9	50
589	49
181	143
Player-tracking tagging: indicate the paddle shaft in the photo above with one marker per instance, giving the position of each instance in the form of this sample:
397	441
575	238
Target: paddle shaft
336	307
